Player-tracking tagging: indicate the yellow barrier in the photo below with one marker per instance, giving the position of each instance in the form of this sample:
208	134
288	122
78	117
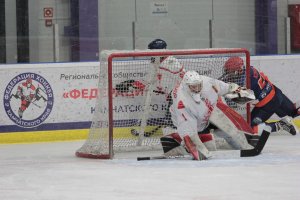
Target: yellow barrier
67	135
60	135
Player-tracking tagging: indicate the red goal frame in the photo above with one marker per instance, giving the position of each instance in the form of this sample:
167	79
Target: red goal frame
156	53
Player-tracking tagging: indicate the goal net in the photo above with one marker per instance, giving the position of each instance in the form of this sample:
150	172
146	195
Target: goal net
131	111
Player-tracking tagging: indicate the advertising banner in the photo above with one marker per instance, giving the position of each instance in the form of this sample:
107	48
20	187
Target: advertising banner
62	96
47	96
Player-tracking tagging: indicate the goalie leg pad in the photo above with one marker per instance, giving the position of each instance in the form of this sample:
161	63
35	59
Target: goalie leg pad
196	147
170	142
209	141
233	127
191	147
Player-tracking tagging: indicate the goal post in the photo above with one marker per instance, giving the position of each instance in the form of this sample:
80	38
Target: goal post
131	110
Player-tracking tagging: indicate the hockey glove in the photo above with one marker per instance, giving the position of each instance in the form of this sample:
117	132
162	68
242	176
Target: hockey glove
234	88
242	96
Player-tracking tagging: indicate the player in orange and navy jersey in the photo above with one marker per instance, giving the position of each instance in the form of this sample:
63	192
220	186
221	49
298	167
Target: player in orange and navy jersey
270	99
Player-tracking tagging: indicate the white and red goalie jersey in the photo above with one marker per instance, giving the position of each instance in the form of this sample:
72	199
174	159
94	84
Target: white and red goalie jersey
191	115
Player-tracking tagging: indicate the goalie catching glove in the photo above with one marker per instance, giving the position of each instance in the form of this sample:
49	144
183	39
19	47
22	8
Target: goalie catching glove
240	95
234	88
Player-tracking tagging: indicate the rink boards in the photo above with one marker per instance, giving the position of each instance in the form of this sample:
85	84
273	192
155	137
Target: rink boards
71	88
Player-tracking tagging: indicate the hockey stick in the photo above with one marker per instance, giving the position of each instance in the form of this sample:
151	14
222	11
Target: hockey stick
188	157
259	146
243	153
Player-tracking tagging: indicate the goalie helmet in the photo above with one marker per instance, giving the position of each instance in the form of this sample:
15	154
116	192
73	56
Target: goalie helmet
157	44
234	65
193	84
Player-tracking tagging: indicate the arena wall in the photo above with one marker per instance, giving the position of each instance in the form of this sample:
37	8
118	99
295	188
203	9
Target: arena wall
71	89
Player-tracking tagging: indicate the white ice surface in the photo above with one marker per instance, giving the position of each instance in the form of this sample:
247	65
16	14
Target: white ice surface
50	171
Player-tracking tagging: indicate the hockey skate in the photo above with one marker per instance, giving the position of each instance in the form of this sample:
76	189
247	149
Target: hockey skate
285	125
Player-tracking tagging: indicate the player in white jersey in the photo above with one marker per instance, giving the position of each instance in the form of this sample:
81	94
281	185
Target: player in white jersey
169	68
169	73
195	105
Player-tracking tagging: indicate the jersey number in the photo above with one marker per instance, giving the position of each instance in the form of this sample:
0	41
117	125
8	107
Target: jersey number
262	80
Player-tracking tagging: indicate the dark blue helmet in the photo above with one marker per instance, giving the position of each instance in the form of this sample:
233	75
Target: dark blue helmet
157	44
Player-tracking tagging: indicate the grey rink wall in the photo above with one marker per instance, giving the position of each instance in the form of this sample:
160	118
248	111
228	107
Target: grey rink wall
131	24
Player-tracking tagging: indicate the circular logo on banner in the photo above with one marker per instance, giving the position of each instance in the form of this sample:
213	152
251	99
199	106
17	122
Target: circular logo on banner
28	100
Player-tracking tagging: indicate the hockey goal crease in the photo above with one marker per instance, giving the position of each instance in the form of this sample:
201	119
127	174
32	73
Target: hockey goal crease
132	102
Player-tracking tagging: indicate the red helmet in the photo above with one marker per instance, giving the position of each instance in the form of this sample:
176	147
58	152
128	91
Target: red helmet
233	65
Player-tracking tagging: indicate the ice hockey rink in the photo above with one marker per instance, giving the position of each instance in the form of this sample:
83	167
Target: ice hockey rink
51	171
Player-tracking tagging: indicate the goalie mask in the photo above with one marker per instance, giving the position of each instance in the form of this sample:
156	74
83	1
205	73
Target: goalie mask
193	84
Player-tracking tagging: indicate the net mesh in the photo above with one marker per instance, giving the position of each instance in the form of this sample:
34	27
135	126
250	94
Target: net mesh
131	113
